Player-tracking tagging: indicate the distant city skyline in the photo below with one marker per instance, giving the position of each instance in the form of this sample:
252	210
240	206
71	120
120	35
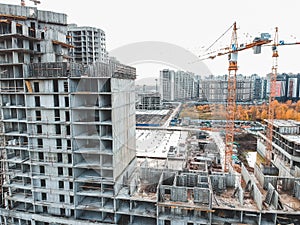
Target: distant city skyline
193	26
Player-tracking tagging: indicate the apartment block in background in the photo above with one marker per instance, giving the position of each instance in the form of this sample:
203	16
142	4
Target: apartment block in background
89	44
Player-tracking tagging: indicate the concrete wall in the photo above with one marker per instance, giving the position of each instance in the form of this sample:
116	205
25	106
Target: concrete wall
218	183
123	117
297	171
275	196
297	189
287	183
257	196
32	12
231	180
202	195
179	194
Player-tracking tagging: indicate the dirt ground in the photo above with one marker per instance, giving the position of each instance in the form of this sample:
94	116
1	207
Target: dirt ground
247	142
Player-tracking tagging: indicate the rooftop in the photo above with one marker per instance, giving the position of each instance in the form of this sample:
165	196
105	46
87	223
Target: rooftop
285	123
157	143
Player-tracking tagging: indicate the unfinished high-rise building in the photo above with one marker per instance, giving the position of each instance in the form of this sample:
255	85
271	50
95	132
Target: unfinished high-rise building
89	44
67	129
68	153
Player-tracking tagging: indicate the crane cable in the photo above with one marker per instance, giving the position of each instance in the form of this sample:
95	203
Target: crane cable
219	37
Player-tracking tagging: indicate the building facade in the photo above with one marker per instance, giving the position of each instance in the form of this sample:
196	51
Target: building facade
89	44
213	89
287	87
67	130
178	85
286	147
149	101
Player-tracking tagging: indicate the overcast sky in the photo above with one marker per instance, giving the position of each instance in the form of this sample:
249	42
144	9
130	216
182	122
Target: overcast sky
190	24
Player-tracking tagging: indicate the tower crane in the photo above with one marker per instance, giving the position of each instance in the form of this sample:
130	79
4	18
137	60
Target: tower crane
232	53
271	98
271	114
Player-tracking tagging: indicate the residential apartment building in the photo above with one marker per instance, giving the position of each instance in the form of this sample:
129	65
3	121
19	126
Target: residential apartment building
258	89
213	89
89	44
178	85
287	87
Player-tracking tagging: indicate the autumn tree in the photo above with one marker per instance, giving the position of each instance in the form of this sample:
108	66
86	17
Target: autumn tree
298	106
291	114
264	114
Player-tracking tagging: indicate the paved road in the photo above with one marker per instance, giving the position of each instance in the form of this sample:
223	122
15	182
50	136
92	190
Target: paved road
167	123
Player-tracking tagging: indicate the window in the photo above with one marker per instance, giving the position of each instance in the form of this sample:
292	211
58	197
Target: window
61	198
31	47
38	115
71	199
69	144
32	25
42	169
69	158
56	100
44	196
70	185
67	116
68	129
60	171
55	85
57	129
58	143
70	171
56	115
62	212
66	87
41	156
39	129
40	143
59	157
60	184
45	209
67	102
36	86
37	101
43	183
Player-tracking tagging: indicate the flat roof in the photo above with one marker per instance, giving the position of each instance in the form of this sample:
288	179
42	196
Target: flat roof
292	138
156	143
285	123
162	112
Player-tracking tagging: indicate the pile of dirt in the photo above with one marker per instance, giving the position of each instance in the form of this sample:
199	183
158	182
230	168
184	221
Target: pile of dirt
247	142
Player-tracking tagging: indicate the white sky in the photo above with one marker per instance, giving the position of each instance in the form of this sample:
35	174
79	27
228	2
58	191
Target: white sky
189	24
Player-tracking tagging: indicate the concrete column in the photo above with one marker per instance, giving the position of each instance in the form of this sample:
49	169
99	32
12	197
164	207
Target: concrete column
259	219
13	27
